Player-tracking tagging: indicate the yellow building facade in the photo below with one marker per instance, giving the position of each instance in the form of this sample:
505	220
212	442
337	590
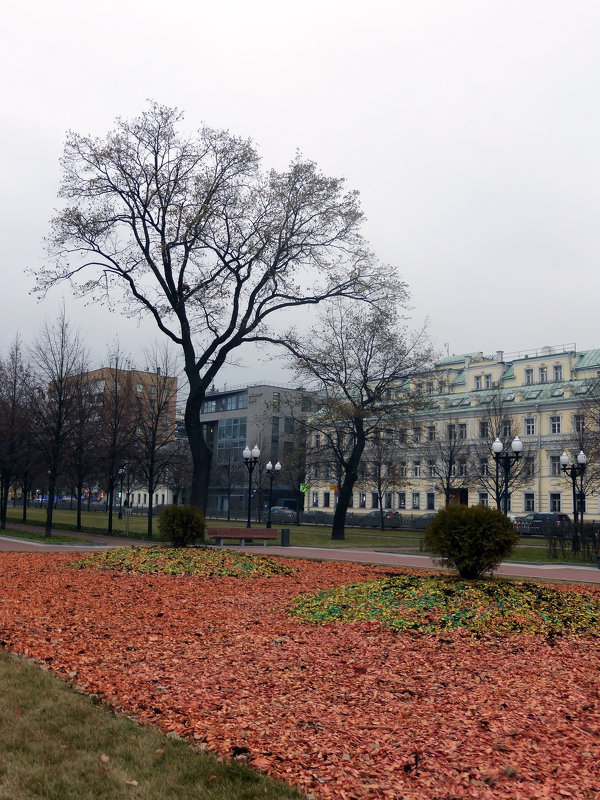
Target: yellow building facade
443	453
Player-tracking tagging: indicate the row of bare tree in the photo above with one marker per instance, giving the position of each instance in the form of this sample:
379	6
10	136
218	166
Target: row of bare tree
64	425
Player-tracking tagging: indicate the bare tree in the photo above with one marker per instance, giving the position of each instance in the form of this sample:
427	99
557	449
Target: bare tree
361	361
115	423
204	242
155	424
381	466
15	421
448	455
59	360
499	422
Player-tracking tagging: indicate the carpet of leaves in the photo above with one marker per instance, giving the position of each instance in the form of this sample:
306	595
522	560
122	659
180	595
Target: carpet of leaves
347	710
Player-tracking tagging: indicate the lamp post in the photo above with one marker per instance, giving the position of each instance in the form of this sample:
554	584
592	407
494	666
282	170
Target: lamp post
122	472
250	460
272	471
574	472
506	460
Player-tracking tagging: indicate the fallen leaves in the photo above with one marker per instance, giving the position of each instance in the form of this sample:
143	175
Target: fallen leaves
348	709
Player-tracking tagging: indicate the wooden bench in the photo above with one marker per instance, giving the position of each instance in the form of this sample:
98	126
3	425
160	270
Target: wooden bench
243	534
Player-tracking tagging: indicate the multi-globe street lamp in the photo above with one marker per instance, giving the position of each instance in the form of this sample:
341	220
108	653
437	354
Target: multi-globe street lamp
576	472
272	471
250	460
505	460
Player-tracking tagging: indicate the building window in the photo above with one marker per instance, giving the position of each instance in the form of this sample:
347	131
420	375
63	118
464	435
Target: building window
555	466
530	426
529	466
326	499
374	500
306	403
402	435
416	500
554	501
578	423
529	375
276	401
529	501
429	387
139	387
484	429
387	500
431	469
401	499
484	467
555	424
483	498
403	469
462	430
451	429
288	425
557	372
477	382
315	499
417	433
462	467
430	501
543	373
506	429
362	500
487	381
431	433
417	469
317	439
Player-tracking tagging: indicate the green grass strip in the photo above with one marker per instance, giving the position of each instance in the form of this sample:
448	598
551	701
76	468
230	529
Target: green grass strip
60	745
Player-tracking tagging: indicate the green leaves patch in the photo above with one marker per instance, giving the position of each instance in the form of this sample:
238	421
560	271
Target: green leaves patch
204	562
427	604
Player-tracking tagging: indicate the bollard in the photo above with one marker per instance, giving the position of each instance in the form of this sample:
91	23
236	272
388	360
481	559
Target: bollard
285	537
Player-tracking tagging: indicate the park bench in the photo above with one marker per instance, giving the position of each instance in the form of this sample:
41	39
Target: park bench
242	534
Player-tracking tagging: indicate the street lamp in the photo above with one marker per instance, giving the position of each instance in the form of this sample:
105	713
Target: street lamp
505	460
272	471
575	471
122	472
251	460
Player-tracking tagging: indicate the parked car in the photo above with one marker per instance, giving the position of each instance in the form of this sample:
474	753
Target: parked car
282	514
373	518
536	521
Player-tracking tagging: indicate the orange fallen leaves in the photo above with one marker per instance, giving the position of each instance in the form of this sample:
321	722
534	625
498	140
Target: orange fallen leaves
340	710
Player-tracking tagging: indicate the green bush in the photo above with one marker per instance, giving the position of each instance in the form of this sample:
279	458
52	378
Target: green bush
471	539
181	525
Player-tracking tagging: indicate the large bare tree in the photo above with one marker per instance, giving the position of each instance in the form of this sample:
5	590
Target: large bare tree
361	362
191	231
59	360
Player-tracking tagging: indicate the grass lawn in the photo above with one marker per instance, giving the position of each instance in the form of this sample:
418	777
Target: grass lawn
61	745
344	680
528	550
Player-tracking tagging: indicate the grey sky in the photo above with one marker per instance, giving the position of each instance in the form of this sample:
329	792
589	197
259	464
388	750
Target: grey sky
470	128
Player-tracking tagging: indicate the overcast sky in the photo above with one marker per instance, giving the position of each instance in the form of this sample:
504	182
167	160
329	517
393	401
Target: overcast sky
470	128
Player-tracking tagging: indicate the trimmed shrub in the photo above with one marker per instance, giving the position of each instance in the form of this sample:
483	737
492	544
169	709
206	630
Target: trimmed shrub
181	525
471	539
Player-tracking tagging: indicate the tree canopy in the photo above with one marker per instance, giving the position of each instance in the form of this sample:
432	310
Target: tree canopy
191	230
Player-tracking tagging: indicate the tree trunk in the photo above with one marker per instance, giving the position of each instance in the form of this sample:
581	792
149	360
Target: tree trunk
50	507
347	487
201	452
111	492
79	493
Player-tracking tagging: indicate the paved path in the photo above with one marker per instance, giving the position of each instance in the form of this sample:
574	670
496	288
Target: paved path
552	572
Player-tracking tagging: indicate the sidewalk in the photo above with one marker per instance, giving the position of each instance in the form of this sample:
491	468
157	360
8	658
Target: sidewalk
551	572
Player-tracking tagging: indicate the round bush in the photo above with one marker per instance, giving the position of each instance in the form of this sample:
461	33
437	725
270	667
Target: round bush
471	539
181	525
